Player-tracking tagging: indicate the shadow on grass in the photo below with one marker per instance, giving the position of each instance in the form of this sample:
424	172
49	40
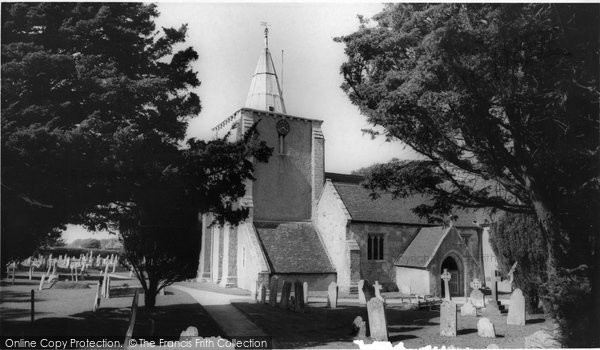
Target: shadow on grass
166	321
535	320
320	326
466	331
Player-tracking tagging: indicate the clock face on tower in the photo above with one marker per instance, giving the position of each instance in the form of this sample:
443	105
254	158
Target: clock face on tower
283	127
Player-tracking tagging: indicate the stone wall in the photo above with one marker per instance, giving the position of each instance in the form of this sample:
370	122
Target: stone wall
331	221
413	280
282	190
396	239
250	259
316	281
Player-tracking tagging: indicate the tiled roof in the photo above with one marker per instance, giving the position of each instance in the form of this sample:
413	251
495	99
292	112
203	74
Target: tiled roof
293	247
387	209
423	247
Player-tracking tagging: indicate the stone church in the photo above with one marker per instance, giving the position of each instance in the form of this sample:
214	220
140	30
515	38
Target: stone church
320	227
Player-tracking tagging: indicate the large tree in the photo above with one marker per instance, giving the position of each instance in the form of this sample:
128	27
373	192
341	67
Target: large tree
76	79
95	105
503	101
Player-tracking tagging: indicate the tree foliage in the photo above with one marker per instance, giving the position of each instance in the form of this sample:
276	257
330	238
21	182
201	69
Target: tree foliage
95	107
503	101
79	80
517	238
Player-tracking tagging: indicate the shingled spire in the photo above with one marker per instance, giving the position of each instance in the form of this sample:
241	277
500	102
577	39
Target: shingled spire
265	92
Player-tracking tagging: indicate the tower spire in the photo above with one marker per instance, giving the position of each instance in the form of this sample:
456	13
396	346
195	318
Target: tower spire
266	25
265	92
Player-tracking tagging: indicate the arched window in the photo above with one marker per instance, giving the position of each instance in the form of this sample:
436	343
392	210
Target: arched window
281	145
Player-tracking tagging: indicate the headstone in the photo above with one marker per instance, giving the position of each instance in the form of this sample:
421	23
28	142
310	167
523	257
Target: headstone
541	340
377	320
42	282
262	293
359	328
516	310
477	298
299	294
189	332
285	295
305	292
377	288
97	299
332	295
30	272
368	290
485	328
273	291
448	319
446	277
468	309
361	293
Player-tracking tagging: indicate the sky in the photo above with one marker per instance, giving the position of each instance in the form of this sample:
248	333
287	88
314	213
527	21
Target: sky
229	37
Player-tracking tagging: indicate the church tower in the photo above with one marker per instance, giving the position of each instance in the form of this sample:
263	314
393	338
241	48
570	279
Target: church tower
279	233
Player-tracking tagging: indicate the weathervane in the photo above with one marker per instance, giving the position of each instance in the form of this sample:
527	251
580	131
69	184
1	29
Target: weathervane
266	25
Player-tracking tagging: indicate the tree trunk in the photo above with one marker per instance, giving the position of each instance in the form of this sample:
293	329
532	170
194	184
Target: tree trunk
150	298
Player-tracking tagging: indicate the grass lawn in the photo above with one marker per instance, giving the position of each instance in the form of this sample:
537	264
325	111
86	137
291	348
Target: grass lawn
321	327
69	311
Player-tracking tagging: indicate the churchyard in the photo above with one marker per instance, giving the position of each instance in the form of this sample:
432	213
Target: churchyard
335	321
97	302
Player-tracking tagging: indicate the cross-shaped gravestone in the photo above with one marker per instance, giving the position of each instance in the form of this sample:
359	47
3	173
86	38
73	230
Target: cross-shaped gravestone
446	277
378	287
475	284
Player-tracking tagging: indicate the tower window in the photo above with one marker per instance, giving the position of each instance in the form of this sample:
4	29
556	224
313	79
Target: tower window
271	109
282	147
375	247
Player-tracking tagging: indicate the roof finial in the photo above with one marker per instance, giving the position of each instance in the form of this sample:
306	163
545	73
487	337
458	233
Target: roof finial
266	25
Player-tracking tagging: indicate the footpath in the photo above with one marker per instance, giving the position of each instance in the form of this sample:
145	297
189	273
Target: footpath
218	305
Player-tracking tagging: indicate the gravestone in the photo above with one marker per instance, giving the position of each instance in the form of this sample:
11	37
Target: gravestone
377	320
377	288
42	282
448	319
468	309
361	293
477	299
262	293
299	294
332	295
446	277
485	328
305	292
368	290
516	311
285	295
359	328
273	291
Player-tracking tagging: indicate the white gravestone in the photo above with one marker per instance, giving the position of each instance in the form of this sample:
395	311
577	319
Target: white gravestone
468	309
332	295
361	293
485	328
516	311
377	320
448	319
